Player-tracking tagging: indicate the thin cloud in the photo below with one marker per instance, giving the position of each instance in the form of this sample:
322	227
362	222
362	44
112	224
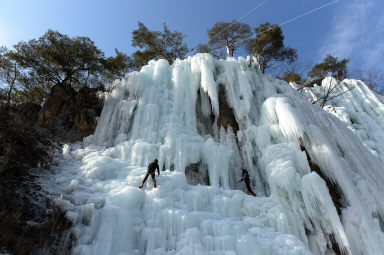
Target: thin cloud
357	33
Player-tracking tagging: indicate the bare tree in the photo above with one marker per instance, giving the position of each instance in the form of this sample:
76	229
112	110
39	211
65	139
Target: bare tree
333	88
329	91
372	77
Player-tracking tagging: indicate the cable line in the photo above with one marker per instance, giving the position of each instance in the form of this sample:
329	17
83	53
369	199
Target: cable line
243	16
283	23
305	14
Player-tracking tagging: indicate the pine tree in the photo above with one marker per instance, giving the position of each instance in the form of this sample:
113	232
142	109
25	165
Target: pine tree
57	59
10	76
268	47
32	68
157	45
228	35
291	76
118	66
330	66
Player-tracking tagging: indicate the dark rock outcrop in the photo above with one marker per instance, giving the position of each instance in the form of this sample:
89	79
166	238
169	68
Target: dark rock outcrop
22	151
204	124
69	115
20	145
337	199
333	188
197	173
311	83
226	116
24	115
28	133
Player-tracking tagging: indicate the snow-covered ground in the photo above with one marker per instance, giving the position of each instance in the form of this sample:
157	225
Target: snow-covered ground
291	149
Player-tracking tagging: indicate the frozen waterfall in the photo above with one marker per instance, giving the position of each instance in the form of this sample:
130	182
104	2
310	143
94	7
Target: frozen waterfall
319	185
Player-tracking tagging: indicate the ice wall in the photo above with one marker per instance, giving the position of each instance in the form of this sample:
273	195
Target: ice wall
319	190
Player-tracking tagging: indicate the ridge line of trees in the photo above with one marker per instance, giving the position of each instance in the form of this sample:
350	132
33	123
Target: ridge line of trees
30	69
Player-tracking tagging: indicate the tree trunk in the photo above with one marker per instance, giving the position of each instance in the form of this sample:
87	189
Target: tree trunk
229	52
9	95
263	67
230	48
11	86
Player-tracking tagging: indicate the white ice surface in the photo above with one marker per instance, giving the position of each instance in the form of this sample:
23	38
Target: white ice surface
157	113
360	109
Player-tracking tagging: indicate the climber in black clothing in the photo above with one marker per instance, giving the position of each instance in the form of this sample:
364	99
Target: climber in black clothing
151	172
245	178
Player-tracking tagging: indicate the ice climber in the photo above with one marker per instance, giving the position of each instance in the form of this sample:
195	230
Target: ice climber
151	172
245	178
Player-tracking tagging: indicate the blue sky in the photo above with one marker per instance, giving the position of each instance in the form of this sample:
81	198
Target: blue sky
349	28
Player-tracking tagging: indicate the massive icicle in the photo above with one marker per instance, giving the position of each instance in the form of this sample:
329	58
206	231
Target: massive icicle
300	159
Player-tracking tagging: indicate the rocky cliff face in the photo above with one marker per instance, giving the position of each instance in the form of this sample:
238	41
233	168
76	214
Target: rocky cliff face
27	133
68	115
